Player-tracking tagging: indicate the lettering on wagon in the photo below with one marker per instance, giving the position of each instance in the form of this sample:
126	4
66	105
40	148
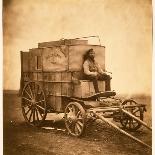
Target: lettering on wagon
53	57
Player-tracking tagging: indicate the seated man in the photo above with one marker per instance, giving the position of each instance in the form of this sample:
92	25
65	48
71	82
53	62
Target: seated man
93	71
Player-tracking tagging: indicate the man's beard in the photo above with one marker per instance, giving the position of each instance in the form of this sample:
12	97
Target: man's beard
92	58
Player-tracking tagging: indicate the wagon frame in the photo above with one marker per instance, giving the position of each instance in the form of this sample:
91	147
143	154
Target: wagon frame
38	92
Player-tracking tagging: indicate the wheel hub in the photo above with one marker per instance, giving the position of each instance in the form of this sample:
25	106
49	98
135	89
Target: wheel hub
33	102
72	118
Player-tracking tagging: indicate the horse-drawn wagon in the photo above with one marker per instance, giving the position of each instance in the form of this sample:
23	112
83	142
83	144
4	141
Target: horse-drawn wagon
51	81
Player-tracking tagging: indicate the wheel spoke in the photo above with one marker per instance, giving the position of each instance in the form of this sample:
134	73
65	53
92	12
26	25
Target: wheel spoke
28	110
30	115
77	127
130	123
39	112
31	91
76	130
26	99
39	95
79	119
70	109
72	127
40	107
33	115
81	124
73	109
135	111
40	101
28	94
137	115
33	103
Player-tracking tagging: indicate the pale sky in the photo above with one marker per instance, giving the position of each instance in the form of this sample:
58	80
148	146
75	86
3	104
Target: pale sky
124	27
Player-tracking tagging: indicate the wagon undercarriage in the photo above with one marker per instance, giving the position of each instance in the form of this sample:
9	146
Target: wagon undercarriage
78	111
51	82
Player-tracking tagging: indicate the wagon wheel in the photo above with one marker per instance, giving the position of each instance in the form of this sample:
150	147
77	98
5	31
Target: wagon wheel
128	122
75	118
33	104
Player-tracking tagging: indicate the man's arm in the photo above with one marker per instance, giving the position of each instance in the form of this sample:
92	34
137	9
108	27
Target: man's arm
100	70
86	69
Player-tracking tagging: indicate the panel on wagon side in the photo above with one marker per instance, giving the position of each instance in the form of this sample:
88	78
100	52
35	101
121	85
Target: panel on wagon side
55	58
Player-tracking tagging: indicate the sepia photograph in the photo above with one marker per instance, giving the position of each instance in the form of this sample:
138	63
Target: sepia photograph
77	77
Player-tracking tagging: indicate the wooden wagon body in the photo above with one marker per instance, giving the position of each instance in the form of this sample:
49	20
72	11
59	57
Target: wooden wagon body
52	81
57	66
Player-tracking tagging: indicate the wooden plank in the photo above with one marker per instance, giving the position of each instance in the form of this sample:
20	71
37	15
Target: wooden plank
57	88
40	76
33	54
57	76
66	76
51	77
35	77
25	61
66	89
58	103
77	90
51	101
86	88
91	88
26	76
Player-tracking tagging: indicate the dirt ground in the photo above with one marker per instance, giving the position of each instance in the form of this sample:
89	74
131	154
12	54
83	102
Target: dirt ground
99	139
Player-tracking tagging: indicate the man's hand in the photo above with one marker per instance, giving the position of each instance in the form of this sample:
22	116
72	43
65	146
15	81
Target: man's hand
107	73
94	73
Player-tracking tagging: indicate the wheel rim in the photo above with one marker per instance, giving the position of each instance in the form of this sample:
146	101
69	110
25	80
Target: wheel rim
128	122
33	104
75	119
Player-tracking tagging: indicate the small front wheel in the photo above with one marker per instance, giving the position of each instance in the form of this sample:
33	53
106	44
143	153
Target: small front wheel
75	119
128	122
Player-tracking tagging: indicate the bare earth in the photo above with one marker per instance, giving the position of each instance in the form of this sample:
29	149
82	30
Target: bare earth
99	139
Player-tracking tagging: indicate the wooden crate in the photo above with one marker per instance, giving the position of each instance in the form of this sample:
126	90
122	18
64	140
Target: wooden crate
85	88
63	58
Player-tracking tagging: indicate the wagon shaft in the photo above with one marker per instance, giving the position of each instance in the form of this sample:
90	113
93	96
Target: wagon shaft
120	130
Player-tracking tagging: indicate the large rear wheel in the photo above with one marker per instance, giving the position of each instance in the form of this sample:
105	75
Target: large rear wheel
33	104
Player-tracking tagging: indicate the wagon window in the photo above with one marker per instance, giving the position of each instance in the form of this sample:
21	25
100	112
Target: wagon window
38	62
